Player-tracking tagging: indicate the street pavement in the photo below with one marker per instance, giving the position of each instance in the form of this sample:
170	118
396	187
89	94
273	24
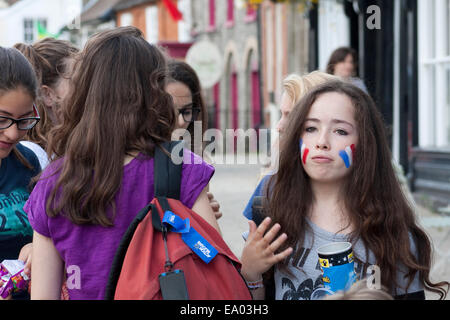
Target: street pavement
232	186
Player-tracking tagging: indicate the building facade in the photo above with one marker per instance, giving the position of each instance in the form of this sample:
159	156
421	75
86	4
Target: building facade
234	101
19	19
152	17
407	71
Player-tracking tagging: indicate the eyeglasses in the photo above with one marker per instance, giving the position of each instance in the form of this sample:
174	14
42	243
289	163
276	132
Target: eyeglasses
189	113
23	123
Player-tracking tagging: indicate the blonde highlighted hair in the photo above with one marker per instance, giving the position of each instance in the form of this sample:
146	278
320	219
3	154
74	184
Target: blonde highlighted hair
297	86
360	291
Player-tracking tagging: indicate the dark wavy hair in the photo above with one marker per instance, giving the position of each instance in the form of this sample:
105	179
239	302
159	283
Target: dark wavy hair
16	72
180	71
116	106
48	58
381	215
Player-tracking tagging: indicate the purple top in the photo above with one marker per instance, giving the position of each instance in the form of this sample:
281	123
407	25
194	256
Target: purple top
88	250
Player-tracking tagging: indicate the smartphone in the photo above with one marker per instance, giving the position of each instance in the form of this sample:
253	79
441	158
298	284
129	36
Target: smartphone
173	285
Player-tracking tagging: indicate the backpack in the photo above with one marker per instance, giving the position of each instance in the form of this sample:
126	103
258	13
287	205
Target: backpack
150	249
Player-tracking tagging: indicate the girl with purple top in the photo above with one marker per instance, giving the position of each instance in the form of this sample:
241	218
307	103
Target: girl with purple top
114	117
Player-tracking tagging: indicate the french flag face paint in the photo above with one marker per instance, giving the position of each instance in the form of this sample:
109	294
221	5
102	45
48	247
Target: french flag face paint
348	155
303	151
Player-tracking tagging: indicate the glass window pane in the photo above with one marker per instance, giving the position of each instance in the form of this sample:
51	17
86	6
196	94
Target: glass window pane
447	108
432	49
432	95
448	27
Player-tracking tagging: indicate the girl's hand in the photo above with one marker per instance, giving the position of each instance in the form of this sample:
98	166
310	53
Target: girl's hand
215	206
25	256
259	254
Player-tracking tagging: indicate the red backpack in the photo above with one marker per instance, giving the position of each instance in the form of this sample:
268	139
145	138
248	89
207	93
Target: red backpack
150	250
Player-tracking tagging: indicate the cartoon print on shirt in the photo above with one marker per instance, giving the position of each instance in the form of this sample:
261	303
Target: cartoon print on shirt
13	219
310	289
305	291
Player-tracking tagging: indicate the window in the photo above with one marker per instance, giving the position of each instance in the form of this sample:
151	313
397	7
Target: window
230	13
251	13
185	24
212	15
126	19
152	24
28	31
434	73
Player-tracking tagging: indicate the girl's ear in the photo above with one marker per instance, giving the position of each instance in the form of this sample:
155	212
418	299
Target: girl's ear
48	96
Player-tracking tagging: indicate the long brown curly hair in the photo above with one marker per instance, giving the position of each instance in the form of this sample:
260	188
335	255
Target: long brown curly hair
381	215
116	106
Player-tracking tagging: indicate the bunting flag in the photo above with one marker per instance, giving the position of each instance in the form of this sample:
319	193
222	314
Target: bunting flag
173	10
43	33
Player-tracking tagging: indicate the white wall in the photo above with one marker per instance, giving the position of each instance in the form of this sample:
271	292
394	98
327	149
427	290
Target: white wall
334	30
57	12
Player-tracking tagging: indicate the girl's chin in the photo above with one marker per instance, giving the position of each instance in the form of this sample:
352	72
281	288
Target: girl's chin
326	177
5	152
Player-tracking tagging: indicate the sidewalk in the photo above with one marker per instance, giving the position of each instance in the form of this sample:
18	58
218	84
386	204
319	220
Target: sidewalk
437	226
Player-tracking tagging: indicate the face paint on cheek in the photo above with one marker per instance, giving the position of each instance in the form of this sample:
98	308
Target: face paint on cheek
348	155
303	151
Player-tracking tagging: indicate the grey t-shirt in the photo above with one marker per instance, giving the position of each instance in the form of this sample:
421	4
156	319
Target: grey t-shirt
307	284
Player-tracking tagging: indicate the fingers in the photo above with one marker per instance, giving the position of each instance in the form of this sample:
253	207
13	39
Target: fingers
252	227
277	243
266	239
27	269
262	228
282	255
215	206
271	234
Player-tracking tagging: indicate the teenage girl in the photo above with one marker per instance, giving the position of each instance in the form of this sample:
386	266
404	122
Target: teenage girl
114	117
18	164
335	182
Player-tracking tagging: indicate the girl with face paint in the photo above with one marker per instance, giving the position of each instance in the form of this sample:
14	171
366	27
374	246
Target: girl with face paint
336	182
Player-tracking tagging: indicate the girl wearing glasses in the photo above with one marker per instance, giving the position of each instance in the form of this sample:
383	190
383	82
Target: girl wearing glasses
184	87
18	164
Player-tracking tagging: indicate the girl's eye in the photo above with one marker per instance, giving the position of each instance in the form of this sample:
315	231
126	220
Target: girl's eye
341	132
310	129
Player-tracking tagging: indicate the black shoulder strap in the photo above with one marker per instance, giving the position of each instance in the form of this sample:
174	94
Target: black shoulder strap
168	174
167	182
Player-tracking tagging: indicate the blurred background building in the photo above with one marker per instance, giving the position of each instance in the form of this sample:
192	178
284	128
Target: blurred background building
404	59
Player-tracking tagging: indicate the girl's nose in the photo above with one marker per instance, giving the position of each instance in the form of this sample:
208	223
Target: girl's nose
13	133
322	143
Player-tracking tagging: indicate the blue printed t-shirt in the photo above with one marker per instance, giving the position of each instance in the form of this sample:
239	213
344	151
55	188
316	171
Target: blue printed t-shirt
15	229
88	250
259	191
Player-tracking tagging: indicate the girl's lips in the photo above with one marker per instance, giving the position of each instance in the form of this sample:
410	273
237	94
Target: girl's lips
5	145
322	159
